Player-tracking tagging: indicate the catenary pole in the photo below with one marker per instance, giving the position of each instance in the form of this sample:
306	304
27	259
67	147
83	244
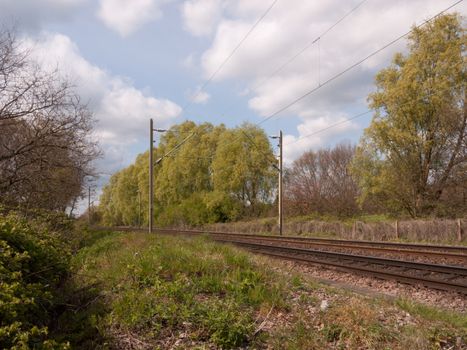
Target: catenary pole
139	208
151	177
89	205
280	194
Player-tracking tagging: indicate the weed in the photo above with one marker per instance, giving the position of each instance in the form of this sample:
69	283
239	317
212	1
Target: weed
433	314
160	284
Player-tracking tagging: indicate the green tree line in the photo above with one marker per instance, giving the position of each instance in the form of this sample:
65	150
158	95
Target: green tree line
217	175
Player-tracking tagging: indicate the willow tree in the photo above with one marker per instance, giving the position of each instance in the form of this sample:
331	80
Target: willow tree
243	167
414	152
207	174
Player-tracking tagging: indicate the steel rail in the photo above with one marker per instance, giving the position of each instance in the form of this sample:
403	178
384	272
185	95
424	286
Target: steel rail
364	247
310	256
436	284
461	250
447	269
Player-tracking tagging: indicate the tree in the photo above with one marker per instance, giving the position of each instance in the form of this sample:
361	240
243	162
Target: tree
415	150
188	170
319	182
243	166
189	185
46	150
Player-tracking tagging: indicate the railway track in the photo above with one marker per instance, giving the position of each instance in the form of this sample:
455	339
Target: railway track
451	253
437	276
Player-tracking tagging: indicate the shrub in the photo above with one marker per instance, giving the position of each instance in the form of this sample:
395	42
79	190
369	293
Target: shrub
33	261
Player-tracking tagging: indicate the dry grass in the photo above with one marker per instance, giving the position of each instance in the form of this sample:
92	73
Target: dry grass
437	230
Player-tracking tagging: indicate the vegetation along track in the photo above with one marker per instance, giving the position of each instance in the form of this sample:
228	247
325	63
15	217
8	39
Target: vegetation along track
437	276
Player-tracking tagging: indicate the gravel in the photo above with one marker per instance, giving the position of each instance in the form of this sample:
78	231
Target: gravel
373	286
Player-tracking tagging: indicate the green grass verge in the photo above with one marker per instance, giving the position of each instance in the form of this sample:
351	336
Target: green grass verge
158	285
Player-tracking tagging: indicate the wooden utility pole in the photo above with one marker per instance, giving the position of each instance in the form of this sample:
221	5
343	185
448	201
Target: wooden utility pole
280	194
151	177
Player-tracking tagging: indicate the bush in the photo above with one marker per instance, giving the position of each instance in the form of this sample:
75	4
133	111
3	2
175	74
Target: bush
33	261
200	208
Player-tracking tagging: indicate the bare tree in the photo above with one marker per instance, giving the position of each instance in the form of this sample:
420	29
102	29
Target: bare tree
46	150
320	182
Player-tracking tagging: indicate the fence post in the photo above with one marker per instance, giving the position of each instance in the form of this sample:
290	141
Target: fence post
459	230
397	229
354	229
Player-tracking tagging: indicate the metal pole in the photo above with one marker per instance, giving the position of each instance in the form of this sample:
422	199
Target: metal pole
89	205
151	177
280	184
139	208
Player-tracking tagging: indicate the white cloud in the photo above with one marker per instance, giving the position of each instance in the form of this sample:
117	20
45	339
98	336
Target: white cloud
201	16
127	16
316	133
121	110
199	96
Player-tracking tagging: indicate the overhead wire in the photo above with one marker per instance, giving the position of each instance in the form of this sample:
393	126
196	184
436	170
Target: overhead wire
173	149
297	54
356	64
304	49
250	139
399	106
336	76
345	71
307	46
328	127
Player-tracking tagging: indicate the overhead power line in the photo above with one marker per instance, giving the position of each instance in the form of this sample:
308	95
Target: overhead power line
308	93
307	46
421	98
356	64
173	149
253	142
328	127
213	75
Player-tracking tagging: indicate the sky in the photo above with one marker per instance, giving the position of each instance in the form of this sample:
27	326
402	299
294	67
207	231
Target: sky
181	60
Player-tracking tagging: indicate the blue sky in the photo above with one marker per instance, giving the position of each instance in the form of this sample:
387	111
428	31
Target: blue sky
137	59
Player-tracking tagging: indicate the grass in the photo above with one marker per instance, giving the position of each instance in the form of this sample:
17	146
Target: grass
142	291
161	285
433	314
